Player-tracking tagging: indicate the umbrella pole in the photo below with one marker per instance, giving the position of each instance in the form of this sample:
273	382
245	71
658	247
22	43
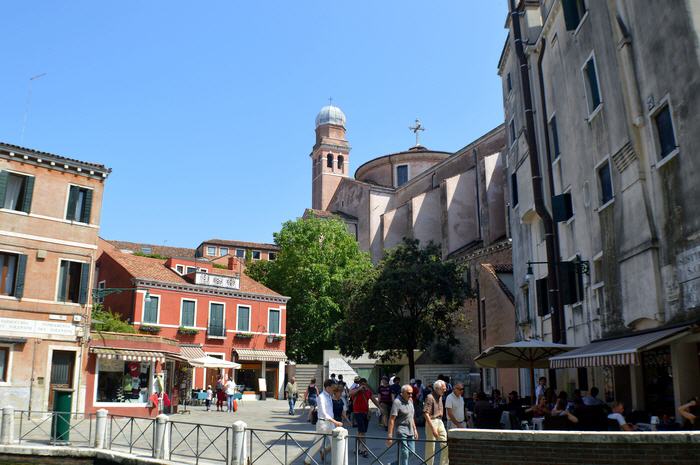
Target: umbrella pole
532	383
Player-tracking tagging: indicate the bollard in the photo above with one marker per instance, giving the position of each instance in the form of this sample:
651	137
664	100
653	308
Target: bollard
100	428
8	425
339	446
238	449
162	442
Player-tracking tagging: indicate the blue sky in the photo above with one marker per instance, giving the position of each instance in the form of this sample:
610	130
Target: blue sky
205	110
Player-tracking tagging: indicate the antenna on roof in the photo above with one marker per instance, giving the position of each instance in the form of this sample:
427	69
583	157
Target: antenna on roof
29	101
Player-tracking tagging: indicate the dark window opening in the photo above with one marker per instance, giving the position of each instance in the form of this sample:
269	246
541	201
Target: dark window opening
401	175
329	160
511	131
562	207
605	180
12	267
16	191
574	10
514	189
341	162
554	136
542	297
570	283
664	131
79	204
509	82
73	282
592	90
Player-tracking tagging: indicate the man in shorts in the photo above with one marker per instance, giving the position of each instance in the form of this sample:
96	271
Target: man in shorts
361	396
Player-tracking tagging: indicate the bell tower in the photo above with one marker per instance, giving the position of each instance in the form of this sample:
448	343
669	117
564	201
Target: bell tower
330	157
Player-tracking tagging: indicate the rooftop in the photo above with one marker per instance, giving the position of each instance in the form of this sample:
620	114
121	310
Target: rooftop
64	162
249	245
153	249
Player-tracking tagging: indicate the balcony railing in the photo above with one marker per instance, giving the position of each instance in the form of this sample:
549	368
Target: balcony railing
215	330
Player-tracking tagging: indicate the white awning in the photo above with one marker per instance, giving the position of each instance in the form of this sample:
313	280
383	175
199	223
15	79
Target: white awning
260	355
617	351
212	362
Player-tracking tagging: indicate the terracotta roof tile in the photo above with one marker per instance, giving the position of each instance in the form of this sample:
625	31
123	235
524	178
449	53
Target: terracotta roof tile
252	245
163	250
48	155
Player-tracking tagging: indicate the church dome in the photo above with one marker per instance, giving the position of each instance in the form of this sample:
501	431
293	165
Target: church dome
330	114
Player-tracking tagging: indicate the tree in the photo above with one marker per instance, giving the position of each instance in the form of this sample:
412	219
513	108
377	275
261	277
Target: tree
106	320
412	300
316	258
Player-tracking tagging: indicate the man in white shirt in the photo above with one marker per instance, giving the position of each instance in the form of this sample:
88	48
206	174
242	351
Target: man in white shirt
541	387
455	407
618	410
325	423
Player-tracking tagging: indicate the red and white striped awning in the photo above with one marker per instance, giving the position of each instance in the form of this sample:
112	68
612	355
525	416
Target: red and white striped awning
617	351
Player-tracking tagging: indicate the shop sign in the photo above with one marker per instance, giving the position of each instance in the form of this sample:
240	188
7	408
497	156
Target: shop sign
36	327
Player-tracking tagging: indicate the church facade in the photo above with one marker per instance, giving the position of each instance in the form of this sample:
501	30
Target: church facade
454	199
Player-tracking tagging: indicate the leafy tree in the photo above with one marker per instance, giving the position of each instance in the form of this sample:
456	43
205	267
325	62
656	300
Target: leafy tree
413	299
106	320
316	258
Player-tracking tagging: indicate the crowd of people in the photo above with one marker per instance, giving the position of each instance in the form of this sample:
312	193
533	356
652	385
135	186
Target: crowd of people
224	397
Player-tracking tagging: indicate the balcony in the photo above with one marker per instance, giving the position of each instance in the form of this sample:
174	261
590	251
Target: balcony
217	280
216	331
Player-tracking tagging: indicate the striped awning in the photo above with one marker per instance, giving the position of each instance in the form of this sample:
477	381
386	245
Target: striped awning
261	355
192	351
128	355
617	351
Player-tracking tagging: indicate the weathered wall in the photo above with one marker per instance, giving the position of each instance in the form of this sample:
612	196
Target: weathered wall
461	212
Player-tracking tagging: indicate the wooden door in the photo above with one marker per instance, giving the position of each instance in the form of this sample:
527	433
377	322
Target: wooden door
62	364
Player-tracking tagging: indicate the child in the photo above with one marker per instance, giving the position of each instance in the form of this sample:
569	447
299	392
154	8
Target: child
210	394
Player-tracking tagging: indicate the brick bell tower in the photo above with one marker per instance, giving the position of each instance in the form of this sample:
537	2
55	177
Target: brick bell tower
330	157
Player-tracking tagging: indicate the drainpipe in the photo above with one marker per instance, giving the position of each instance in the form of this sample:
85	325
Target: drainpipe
538	196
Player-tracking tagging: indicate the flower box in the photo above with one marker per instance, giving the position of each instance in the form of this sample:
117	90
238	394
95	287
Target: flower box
150	329
277	338
244	335
187	331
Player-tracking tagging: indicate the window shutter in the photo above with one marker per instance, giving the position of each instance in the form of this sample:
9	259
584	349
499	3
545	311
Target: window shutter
84	283
568	283
28	193
72	200
542	297
19	283
87	207
62	277
562	209
3	187
571	17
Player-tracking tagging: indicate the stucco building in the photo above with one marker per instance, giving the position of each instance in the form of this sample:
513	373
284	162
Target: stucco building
455	199
49	220
614	139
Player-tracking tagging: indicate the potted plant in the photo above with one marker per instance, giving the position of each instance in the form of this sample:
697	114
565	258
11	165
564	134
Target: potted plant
244	335
185	331
150	329
277	337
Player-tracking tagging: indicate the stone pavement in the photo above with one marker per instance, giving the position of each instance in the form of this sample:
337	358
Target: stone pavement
273	415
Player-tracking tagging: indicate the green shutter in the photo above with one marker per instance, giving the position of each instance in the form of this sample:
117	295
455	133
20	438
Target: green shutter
150	315
28	193
84	283
3	187
62	277
87	206
187	313
19	282
72	200
571	17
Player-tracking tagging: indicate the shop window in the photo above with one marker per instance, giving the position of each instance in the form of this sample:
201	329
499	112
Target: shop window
16	191
73	282
79	204
123	382
274	322
12	268
243	319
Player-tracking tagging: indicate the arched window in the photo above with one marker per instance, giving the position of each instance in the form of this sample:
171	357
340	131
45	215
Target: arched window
341	160
329	160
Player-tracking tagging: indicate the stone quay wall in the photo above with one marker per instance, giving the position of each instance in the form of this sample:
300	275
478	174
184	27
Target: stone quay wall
489	447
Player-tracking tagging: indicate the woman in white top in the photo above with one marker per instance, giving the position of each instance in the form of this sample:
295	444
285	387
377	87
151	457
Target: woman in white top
230	391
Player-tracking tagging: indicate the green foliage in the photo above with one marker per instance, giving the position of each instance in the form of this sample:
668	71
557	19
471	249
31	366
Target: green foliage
244	335
106	320
317	258
220	266
151	255
149	329
412	300
185	331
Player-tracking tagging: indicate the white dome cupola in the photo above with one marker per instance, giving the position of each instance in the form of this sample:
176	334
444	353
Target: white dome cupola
330	114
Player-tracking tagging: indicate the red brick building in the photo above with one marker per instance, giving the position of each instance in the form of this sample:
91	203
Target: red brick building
223	312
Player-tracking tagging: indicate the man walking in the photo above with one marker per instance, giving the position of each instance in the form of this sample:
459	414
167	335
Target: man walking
292	394
325	423
385	400
403	419
455	407
433	411
361	396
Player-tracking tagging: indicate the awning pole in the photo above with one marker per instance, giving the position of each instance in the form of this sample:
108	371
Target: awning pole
532	382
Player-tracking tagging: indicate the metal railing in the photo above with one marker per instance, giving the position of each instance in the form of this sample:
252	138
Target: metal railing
131	433
199	442
55	428
415	451
286	447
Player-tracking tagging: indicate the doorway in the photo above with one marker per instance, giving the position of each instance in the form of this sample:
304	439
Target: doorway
62	365
213	373
271	382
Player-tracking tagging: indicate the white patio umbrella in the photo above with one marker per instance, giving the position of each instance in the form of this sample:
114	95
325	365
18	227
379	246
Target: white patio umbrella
522	354
213	362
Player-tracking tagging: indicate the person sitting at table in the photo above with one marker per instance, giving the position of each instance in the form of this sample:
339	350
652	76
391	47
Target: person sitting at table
618	410
592	397
576	401
560	410
515	403
540	408
690	412
496	398
482	403
550	396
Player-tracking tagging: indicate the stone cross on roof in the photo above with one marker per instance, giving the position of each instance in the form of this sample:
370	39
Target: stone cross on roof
416	128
